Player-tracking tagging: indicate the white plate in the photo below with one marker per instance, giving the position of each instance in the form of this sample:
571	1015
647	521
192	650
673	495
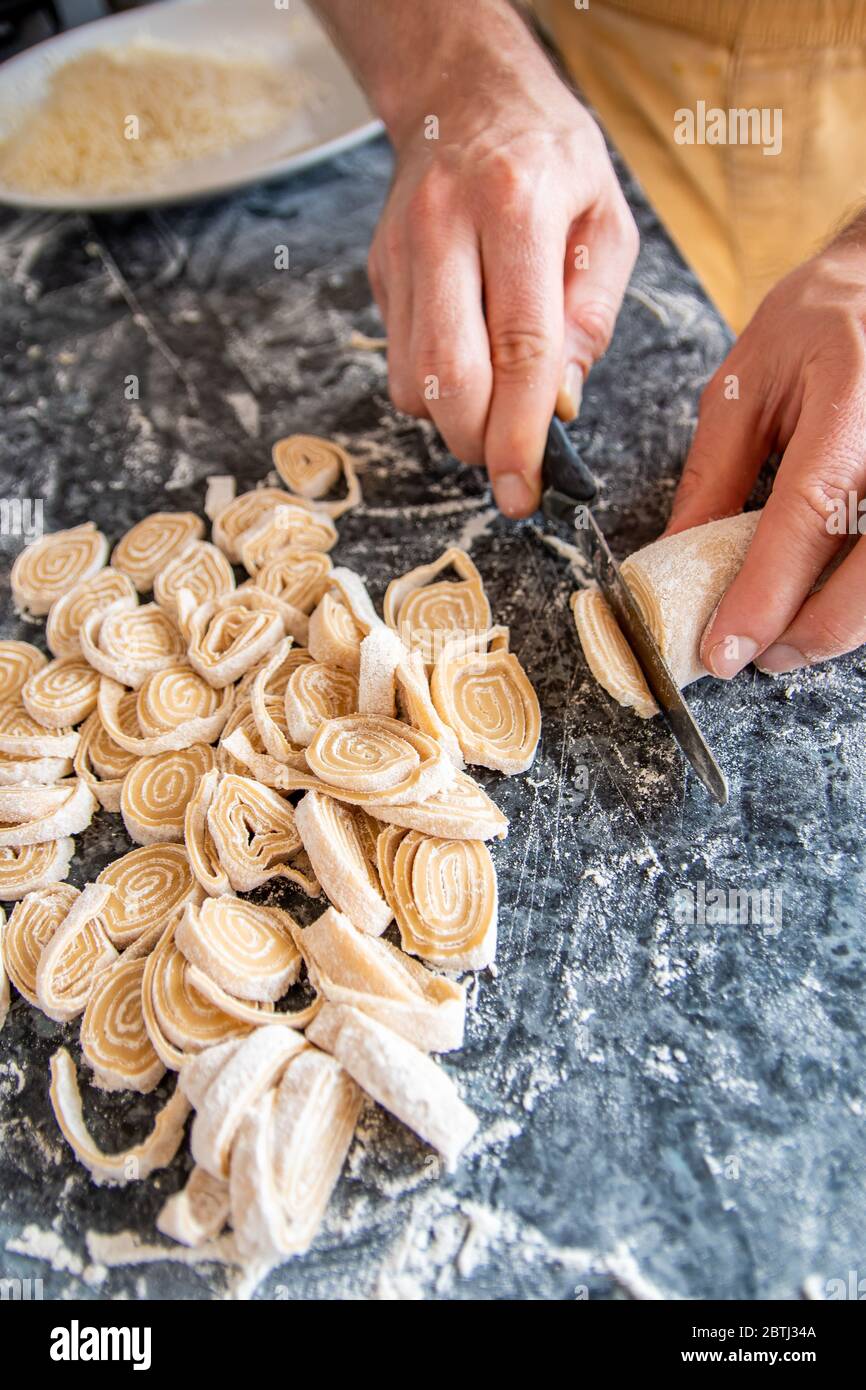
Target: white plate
291	38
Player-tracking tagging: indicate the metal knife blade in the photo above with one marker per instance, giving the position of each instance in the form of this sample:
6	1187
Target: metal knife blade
565	499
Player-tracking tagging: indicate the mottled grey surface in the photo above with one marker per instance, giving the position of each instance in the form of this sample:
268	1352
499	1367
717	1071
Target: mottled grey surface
665	1108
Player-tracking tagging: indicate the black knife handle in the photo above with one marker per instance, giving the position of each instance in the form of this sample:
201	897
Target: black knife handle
562	467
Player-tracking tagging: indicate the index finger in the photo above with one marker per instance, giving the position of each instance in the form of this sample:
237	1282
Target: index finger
792	545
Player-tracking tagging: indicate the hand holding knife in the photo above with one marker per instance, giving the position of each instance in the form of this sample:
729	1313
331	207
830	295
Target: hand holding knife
568	487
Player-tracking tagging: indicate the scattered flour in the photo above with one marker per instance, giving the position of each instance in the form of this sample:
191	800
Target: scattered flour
246	408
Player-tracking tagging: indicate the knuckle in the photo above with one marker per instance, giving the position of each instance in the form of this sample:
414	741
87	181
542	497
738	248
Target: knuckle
815	498
507	181
596	320
832	635
456	373
516	349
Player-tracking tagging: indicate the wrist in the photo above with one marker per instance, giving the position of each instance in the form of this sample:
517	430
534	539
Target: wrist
456	72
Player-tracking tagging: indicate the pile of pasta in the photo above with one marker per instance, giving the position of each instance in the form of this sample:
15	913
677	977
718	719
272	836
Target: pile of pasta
267	730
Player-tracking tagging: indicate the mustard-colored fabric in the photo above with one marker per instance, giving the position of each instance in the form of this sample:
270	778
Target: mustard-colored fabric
742	219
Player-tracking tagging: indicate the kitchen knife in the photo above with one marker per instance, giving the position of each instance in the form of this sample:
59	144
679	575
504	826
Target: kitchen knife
568	488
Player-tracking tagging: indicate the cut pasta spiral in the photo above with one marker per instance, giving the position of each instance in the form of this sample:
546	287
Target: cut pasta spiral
148	885
443	895
149	545
156	791
310	467
46	569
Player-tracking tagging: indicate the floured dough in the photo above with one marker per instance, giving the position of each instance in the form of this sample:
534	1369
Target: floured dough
677	583
348	966
397	1075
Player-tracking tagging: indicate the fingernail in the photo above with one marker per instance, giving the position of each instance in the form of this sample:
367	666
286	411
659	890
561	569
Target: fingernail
779	658
513	495
730	655
570	393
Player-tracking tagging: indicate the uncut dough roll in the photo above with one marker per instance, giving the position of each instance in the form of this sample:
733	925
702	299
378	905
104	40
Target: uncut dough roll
677	582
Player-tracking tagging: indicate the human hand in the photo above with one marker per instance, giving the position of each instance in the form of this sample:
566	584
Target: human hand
799	369
500	261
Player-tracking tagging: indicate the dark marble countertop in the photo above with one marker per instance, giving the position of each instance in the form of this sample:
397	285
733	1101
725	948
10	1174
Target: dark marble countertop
667	1110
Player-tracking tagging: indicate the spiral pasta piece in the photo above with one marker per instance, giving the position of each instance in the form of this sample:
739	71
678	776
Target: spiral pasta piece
114	1041
310	467
200	568
254	832
129	644
46	569
486	698
174	709
243	1072
31	867
443	894
134	1164
35	815
398	1076
19	661
425	610
156	791
292	524
382	759
288	1154
177	697
347	966
332	840
149	545
107	589
22	737
241	516
316	693
148	885
297	577
61	693
74	956
32	923
102	763
229	635
246	948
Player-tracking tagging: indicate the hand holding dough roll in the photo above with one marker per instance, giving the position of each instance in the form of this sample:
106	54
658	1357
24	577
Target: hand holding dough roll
677	583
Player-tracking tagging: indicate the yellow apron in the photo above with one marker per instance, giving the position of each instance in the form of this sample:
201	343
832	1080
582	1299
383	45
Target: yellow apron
740	217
